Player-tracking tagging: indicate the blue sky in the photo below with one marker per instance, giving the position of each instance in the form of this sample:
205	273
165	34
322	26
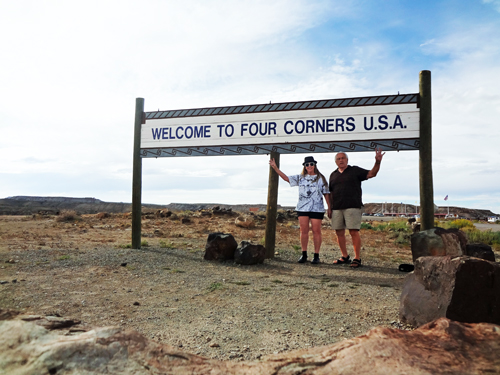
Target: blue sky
71	70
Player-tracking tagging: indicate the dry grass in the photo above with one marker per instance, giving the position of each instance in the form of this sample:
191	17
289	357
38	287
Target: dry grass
84	268
88	232
67	216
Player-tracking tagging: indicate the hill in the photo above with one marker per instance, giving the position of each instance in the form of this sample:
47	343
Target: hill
28	205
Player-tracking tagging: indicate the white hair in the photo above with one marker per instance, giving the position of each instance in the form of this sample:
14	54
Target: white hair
341	152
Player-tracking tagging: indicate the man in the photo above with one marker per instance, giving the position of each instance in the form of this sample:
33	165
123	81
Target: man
346	205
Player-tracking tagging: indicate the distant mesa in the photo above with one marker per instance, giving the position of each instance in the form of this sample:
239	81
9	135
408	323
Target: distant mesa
55	199
29	205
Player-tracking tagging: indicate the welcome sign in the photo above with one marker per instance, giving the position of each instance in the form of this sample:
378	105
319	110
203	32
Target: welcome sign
351	124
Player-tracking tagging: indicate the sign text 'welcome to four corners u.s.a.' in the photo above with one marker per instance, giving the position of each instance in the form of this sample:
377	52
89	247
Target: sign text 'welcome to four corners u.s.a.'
355	124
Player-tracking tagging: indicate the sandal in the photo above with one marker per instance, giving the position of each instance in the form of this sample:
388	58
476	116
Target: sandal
356	263
343	260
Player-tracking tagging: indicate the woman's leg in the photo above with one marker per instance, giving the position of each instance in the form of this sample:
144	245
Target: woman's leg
304	232
317	238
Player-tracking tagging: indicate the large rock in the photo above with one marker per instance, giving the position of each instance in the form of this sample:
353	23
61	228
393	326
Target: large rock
480	250
438	242
244	222
220	246
464	289
248	253
441	347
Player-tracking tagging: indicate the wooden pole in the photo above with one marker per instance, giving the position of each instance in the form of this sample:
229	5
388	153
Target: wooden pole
425	153
272	208
137	175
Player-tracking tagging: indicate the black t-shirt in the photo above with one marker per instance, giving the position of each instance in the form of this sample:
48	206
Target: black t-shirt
345	187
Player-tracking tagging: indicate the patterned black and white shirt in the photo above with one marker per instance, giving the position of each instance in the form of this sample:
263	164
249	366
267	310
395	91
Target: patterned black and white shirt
310	192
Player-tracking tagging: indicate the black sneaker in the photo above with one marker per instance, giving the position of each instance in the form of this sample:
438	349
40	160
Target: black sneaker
315	261
303	259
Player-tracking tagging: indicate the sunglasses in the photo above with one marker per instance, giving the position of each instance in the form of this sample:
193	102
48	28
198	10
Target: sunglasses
309	164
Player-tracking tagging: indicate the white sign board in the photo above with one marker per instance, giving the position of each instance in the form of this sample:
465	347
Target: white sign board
310	126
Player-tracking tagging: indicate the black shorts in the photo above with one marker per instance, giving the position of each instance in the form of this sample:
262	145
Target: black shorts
312	215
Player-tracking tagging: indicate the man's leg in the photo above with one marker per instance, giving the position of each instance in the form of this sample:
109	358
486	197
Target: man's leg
356	242
341	241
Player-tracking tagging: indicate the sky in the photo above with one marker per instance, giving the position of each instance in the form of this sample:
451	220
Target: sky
71	71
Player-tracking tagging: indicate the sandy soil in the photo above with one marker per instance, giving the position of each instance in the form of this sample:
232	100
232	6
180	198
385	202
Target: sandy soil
84	269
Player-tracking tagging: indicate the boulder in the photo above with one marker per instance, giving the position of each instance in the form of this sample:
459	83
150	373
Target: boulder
103	215
440	347
244	222
249	254
50	322
220	246
464	289
280	217
438	242
163	213
480	250
217	210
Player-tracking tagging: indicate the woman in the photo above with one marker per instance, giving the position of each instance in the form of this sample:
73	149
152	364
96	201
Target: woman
312	188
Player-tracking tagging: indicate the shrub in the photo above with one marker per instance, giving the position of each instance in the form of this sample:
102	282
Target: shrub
487	237
67	216
460	223
366	226
166	245
400	232
402	238
215	286
185	214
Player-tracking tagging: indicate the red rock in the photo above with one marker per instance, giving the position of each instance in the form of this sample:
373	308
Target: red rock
464	289
438	242
440	347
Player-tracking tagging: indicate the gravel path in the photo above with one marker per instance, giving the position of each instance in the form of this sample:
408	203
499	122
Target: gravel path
219	310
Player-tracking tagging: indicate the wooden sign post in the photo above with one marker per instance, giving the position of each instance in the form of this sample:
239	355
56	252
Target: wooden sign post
425	152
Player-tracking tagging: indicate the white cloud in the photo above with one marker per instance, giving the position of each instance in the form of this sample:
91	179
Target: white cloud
495	4
72	72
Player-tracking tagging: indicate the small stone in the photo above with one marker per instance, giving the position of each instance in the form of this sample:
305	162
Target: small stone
214	345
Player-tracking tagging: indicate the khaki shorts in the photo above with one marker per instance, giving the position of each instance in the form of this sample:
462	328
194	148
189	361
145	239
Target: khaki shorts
349	218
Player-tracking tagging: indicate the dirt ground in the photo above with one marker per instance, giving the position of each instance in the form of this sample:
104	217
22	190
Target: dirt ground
85	269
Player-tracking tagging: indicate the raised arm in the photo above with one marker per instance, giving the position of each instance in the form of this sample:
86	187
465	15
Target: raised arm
273	165
378	159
